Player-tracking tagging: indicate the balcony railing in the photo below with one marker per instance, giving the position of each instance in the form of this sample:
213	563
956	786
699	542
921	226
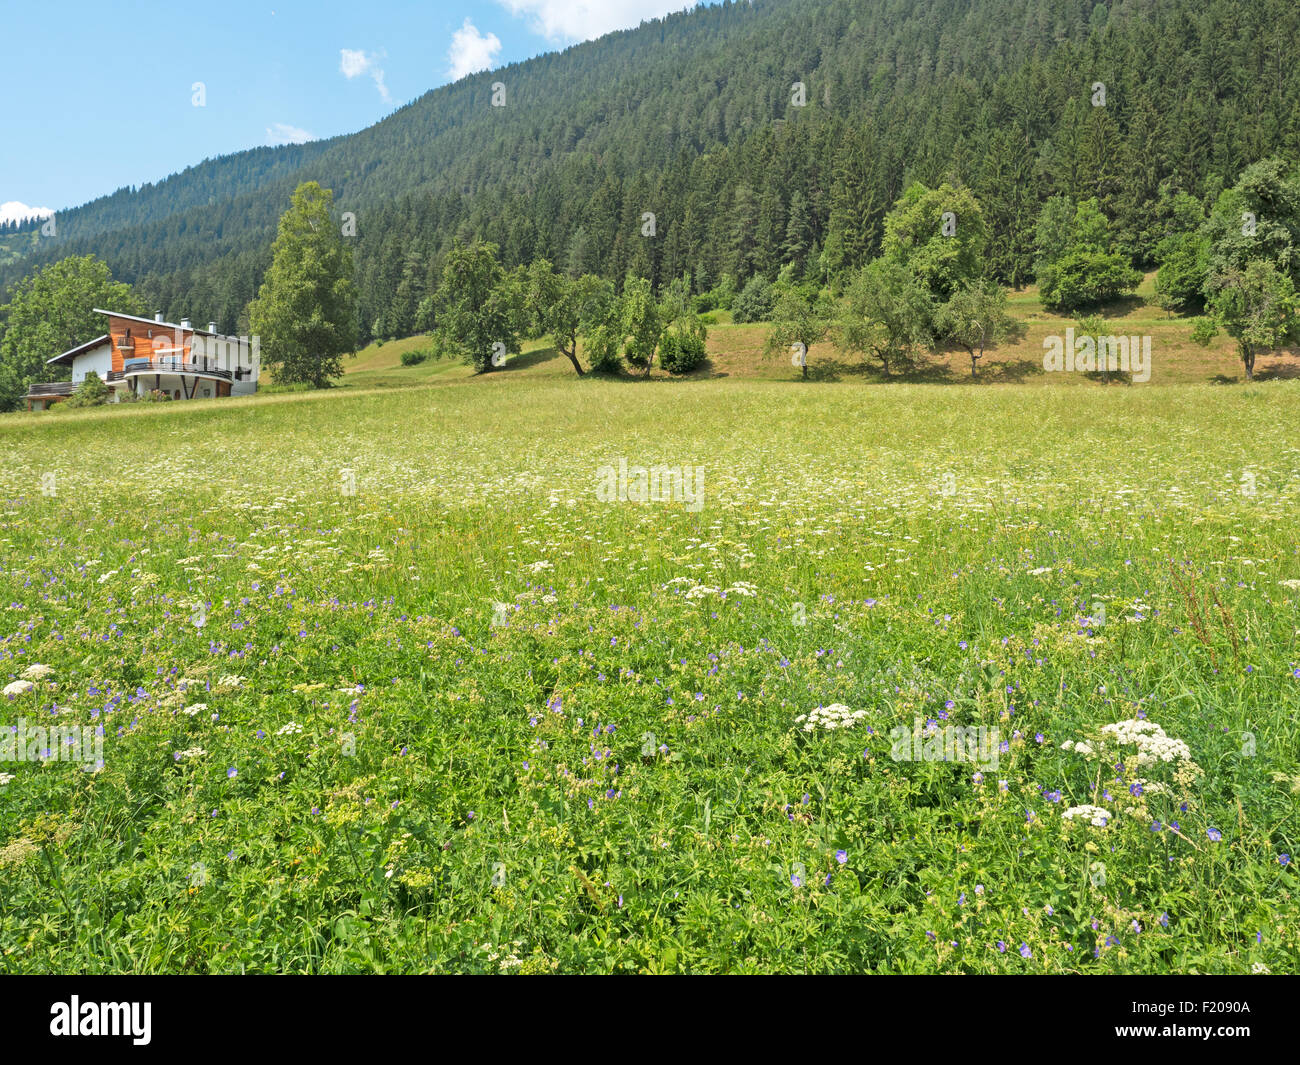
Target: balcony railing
52	388
175	364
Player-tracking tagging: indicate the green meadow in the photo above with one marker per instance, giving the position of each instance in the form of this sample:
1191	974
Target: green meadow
380	680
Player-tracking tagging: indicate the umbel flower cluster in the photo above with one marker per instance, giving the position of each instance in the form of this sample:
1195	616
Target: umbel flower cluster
1095	815
835	716
1152	743
1127	746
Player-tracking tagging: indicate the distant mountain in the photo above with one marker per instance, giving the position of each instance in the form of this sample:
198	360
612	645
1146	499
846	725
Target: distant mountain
696	119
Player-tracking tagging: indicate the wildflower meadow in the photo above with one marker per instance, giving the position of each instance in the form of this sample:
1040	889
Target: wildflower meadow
512	675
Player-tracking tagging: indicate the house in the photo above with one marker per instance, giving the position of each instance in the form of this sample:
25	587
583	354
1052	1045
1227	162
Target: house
142	355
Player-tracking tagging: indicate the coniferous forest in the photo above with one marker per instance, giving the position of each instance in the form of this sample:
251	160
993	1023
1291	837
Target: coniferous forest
758	135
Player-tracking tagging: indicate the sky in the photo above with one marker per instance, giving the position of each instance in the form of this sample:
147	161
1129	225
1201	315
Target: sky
98	96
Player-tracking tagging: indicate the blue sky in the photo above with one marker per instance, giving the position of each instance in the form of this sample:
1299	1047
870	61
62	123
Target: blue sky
97	96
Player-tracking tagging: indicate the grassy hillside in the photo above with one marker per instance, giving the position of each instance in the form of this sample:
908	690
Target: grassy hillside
382	684
736	351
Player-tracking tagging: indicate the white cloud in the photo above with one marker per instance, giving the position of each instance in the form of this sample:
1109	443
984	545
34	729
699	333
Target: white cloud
471	51
13	211
582	20
353	63
281	133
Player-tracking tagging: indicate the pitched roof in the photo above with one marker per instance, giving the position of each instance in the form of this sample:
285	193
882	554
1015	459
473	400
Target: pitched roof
68	356
163	325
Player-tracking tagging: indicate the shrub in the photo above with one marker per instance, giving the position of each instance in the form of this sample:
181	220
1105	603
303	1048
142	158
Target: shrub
92	392
601	344
415	357
1180	279
725	292
1086	278
682	348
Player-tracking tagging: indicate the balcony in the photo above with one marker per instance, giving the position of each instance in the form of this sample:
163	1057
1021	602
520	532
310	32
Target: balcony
176	364
50	388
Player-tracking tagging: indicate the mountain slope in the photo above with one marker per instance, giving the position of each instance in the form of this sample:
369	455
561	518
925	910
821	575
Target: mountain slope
690	117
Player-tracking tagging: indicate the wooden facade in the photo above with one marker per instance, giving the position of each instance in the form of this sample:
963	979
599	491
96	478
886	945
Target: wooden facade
136	339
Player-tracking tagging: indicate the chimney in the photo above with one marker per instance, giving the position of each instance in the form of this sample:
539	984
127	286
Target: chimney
157	316
185	323
212	327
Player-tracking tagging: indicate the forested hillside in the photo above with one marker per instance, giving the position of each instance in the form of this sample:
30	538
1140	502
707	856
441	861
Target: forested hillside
694	118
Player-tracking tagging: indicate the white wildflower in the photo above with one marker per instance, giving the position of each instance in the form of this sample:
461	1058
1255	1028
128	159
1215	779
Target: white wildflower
1153	745
1095	814
700	591
835	716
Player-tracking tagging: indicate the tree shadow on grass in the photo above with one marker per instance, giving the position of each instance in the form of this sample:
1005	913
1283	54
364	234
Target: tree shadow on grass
538	357
704	372
1013	371
1116	308
921	372
924	371
932	372
1287	371
834	369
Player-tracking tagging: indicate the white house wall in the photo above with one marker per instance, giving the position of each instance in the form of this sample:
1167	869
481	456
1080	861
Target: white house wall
172	383
99	359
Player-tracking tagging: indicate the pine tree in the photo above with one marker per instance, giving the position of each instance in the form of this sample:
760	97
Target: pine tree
798	230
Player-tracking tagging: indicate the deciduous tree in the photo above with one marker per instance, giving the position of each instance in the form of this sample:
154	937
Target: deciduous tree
51	312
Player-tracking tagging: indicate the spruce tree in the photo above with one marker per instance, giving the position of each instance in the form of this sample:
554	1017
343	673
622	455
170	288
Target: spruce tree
305	312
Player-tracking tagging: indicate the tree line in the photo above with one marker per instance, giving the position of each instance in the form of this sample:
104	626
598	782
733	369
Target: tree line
1234	267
